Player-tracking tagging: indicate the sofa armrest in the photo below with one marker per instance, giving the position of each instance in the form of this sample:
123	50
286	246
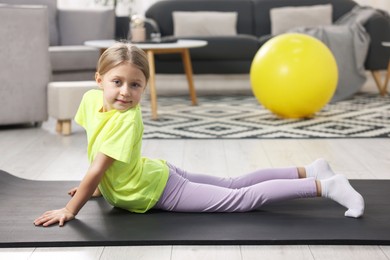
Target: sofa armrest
77	26
378	27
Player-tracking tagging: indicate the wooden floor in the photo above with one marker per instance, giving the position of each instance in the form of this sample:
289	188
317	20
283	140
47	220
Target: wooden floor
41	154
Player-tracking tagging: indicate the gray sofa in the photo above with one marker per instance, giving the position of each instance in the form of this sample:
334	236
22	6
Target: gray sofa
234	54
68	29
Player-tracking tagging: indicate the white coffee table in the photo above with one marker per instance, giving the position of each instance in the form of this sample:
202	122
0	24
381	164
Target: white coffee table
181	46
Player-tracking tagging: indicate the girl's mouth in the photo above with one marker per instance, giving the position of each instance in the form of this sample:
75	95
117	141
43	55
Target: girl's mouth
123	101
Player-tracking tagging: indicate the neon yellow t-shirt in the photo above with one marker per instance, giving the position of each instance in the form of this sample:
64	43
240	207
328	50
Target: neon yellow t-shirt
132	182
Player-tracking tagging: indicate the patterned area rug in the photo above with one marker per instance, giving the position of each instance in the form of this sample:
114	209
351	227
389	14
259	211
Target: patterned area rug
364	116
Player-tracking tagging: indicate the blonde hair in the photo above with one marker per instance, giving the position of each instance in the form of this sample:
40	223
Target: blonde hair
123	52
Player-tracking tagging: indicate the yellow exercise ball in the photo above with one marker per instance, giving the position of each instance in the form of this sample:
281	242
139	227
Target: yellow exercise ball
294	75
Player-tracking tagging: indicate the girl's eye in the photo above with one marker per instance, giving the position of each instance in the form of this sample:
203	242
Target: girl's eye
117	82
135	85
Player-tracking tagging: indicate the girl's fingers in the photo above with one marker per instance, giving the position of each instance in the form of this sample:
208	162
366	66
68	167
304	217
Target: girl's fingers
54	216
72	191
62	221
50	222
53	220
40	220
47	219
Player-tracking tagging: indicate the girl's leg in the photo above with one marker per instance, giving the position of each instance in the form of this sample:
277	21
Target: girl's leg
246	180
318	169
182	195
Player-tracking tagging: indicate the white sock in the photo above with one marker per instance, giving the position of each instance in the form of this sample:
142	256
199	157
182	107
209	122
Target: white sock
319	169
338	189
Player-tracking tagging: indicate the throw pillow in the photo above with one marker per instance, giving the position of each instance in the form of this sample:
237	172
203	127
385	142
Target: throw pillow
204	23
284	19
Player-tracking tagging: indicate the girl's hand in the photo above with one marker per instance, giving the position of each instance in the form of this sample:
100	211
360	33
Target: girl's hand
72	191
54	216
95	194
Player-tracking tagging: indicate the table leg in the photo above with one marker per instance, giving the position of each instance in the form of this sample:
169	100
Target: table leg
188	70
387	79
152	84
64	127
377	78
59	126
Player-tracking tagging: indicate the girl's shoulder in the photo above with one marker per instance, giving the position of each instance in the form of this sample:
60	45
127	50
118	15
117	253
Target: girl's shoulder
133	115
93	94
93	99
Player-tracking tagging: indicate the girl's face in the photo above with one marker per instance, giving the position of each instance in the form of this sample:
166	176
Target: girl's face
122	87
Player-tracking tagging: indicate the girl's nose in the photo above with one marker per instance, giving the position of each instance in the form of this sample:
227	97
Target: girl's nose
124	90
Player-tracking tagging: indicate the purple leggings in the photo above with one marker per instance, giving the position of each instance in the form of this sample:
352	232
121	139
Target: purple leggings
188	192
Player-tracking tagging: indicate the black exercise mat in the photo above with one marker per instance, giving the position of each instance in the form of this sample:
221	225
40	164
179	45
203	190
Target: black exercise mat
305	221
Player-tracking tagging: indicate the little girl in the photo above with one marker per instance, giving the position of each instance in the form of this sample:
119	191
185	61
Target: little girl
112	119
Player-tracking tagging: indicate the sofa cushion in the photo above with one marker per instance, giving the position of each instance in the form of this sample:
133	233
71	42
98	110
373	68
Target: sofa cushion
286	18
204	23
162	11
72	58
262	10
52	15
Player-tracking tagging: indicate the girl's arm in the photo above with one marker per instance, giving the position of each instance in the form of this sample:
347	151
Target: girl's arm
84	192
